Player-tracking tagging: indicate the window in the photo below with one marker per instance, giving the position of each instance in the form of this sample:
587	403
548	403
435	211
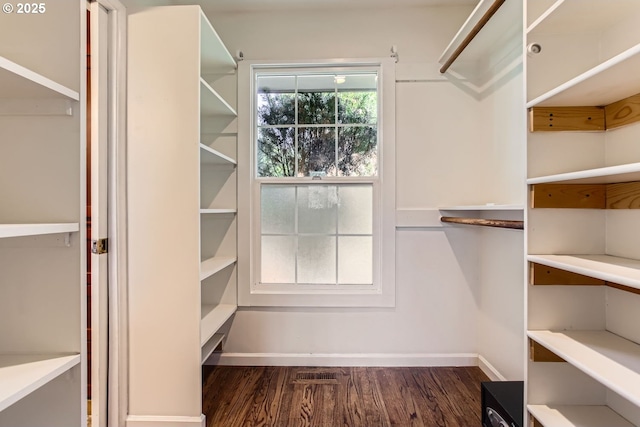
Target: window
316	163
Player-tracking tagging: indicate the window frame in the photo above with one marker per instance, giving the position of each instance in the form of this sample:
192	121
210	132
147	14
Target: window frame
251	293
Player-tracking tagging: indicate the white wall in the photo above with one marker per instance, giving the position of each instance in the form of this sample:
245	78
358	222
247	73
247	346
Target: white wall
440	161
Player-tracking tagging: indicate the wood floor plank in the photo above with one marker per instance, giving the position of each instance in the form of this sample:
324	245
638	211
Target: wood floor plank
266	398
350	400
429	398
375	410
341	397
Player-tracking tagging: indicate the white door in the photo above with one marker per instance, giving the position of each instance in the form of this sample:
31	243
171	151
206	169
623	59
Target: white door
99	214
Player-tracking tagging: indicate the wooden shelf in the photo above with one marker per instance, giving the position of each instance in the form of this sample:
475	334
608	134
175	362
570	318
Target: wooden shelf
607	175
577	416
210	346
618	270
487	207
20	375
213	317
210	156
21	230
595	16
18	82
217	211
608	82
214	55
211	103
213	265
609	359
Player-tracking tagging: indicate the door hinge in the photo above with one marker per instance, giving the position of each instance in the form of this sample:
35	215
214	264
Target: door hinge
100	246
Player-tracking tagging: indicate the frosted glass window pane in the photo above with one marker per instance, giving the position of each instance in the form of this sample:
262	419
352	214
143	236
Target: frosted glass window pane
317	259
317	209
355	260
278	209
278	259
355	213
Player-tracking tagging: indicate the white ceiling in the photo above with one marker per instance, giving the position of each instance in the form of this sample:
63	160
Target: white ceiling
261	5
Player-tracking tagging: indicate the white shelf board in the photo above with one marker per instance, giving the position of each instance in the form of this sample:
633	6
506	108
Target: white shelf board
609	359
211	266
210	346
607	175
20	375
610	81
210	156
595	16
577	416
492	45
211	103
487	38
623	271
21	230
18	82
217	211
213	53
487	207
212	318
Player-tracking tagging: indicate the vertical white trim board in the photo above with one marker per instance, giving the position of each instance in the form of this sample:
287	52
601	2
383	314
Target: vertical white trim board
366	360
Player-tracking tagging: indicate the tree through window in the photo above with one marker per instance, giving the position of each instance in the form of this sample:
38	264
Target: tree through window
317	124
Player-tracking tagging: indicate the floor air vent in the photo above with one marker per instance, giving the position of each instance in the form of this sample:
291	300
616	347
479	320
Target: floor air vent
316	377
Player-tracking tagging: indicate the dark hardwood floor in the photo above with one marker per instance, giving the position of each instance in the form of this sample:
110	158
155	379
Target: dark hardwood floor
341	397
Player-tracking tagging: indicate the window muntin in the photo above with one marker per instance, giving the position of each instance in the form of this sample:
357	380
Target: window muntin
322	123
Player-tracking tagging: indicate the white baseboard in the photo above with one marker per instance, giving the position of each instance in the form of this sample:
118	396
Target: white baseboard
490	370
382	359
163	421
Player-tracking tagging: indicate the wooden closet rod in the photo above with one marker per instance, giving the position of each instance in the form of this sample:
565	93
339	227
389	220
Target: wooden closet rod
472	34
500	223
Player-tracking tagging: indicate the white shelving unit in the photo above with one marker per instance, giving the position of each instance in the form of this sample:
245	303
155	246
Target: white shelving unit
42	219
183	239
218	190
592	328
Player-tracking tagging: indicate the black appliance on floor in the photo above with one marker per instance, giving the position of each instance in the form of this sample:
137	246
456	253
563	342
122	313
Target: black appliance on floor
502	403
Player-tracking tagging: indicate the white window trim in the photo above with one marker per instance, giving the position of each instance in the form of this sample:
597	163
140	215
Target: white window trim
384	261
